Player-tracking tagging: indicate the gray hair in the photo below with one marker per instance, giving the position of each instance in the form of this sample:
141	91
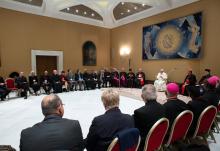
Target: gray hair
149	92
110	99
50	104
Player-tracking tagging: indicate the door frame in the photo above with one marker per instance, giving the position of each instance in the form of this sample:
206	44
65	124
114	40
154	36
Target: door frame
58	54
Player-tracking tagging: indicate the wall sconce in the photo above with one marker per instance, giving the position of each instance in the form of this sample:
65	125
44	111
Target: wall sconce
125	51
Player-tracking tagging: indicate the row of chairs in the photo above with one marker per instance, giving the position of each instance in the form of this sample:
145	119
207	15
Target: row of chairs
155	140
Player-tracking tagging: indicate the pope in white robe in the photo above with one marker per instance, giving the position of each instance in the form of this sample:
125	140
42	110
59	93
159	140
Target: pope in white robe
161	81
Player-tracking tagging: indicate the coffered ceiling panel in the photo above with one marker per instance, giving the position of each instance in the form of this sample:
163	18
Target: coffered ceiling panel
84	11
31	2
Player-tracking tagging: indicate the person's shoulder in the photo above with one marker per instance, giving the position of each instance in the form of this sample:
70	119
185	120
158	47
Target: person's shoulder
70	121
140	110
30	130
99	118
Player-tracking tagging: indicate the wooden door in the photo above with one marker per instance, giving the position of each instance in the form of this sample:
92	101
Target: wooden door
48	63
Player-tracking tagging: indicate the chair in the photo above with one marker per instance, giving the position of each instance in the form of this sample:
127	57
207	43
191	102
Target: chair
216	119
10	84
205	122
180	127
156	135
7	148
126	140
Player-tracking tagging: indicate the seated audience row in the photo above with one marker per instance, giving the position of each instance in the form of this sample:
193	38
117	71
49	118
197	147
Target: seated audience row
68	81
57	133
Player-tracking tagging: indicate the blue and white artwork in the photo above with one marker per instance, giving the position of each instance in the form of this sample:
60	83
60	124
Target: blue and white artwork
177	38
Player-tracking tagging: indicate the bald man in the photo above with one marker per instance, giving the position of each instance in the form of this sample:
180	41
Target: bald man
54	132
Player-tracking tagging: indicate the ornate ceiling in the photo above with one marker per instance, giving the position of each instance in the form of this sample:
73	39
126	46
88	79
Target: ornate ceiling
103	13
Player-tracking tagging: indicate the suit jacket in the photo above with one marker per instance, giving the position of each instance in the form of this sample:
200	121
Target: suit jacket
105	127
146	116
32	80
191	78
53	133
173	108
77	76
211	97
55	78
196	106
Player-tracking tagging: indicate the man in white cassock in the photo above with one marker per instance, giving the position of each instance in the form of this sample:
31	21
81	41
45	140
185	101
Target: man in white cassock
161	81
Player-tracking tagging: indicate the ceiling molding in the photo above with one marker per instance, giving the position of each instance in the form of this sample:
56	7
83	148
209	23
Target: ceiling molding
51	8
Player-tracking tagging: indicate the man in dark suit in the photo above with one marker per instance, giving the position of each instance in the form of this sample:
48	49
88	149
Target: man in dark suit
146	116
106	126
33	82
56	82
197	105
173	106
211	95
45	82
190	80
54	132
22	85
4	91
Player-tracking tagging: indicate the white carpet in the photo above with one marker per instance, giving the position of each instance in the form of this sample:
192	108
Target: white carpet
17	114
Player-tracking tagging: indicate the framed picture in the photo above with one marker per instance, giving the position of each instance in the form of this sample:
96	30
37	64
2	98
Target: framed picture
89	54
177	38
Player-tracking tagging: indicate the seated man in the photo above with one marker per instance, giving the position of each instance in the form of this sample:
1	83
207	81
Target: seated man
115	78
101	76
146	116
71	80
4	91
205	77
95	80
173	106
190	80
211	96
161	81
107	78
104	127
54	132
140	78
131	79
197	105
64	81
123	78
56	82
87	77
33	82
79	79
45	82
22	85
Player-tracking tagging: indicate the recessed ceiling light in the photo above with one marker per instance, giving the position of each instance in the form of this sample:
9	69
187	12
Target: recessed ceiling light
93	14
85	13
77	10
122	3
143	5
135	7
122	13
68	8
128	10
30	0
